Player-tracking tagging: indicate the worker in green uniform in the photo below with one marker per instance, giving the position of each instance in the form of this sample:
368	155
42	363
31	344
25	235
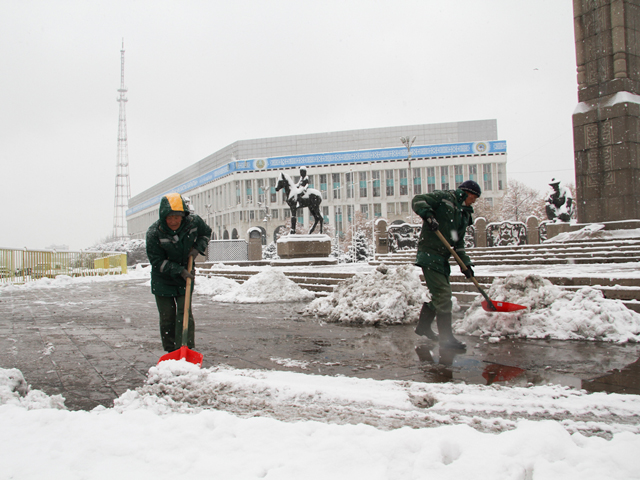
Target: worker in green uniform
171	240
448	211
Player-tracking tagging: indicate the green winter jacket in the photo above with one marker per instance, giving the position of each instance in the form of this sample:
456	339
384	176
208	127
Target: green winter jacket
453	218
168	250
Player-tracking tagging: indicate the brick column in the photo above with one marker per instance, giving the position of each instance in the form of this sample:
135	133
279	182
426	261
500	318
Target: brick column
606	123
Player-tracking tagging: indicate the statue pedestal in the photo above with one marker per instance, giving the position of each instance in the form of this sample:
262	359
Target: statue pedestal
299	246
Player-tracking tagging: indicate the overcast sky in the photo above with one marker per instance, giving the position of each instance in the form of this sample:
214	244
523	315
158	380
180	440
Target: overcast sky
203	74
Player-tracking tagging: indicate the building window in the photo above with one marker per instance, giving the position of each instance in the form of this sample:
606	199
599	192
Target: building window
501	176
444	178
404	208
252	215
349	176
323	186
336	185
431	179
391	208
261	195
273	195
248	191
458	172
388	175
274	213
325	214
338	221
486	175
363	185
350	210
238	193
286	213
404	184
310	185
377	210
375	177
417	181
364	209
473	172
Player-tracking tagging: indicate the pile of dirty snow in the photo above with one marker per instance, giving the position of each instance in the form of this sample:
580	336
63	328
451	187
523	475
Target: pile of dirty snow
384	296
552	313
268	286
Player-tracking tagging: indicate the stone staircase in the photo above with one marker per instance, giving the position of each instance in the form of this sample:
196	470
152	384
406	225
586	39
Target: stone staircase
583	252
580	252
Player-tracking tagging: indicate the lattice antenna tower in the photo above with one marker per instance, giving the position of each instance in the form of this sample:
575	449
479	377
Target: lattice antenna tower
123	190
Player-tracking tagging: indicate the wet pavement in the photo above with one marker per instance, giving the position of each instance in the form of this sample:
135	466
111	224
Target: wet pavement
92	342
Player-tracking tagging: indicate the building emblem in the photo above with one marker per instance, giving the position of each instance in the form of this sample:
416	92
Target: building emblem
261	163
481	147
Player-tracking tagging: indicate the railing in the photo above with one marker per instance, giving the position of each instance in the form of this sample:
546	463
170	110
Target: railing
506	233
20	266
405	237
398	237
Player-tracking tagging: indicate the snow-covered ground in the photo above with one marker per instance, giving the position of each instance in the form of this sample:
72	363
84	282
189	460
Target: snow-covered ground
221	422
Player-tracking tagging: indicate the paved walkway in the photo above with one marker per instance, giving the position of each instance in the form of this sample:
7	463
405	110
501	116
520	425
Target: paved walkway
92	342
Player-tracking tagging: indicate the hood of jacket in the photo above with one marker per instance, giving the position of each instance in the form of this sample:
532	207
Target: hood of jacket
172	202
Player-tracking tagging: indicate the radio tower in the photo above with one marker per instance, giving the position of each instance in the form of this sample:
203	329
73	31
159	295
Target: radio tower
123	191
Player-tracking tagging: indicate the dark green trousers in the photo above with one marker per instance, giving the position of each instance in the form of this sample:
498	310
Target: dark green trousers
440	289
171	310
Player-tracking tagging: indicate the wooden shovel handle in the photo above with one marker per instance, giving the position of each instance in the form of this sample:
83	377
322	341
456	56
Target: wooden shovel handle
464	268
187	305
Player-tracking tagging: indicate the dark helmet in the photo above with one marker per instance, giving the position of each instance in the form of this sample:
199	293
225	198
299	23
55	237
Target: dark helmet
303	171
471	187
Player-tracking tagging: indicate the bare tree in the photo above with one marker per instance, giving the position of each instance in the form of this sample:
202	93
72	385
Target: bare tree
521	202
484	208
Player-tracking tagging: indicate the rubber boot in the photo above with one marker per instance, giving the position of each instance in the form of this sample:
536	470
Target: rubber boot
447	340
427	314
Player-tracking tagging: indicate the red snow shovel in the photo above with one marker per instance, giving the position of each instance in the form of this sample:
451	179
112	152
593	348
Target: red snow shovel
185	352
488	304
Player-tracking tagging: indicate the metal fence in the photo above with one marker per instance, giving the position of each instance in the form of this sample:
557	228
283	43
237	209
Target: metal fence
20	266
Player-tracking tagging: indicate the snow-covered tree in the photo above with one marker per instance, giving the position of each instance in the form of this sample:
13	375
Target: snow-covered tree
359	250
270	252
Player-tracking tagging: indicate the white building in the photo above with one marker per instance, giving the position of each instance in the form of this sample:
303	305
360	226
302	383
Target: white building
356	170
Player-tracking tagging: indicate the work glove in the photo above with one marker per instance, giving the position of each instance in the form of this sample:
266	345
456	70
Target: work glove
432	223
468	272
187	274
194	253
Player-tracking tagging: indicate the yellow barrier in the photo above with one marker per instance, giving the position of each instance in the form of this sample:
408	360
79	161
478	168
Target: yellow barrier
20	266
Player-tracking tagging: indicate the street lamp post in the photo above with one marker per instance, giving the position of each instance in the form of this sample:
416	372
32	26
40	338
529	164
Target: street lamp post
407	142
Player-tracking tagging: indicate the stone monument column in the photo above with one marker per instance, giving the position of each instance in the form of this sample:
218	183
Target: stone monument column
606	123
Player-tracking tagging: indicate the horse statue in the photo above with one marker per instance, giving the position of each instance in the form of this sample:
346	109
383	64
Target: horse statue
299	198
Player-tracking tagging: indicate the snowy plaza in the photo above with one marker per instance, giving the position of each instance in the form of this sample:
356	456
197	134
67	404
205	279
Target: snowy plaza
296	386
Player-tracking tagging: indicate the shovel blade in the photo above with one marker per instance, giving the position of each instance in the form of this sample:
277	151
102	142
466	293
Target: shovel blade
189	355
502	306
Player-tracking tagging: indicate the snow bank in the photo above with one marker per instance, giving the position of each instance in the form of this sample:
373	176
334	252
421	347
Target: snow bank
268	286
15	391
221	422
384	296
595	231
215	285
136	272
552	313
